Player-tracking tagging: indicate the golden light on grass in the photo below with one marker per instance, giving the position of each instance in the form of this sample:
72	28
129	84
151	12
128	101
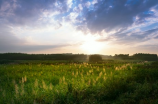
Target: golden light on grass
63	79
16	90
50	86
103	69
72	73
44	85
75	79
25	79
36	83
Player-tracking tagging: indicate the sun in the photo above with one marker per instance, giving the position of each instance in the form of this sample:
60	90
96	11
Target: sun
92	47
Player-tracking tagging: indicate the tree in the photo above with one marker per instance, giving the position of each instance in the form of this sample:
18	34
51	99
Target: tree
95	58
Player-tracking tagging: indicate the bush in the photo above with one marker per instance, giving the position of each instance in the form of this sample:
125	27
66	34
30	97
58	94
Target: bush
4	61
95	58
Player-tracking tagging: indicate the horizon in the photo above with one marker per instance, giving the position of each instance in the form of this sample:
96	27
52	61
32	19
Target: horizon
102	27
80	53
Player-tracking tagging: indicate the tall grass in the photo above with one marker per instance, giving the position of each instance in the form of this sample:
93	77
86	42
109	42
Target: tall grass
107	83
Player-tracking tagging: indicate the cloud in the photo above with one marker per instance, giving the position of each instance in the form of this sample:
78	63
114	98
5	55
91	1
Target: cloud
121	21
156	35
8	38
27	12
107	39
131	37
109	15
9	42
92	16
147	48
28	48
136	37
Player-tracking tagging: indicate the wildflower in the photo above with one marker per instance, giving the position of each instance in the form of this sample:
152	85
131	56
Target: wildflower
36	83
77	73
44	85
100	74
16	90
111	73
87	74
73	73
94	82
104	78
89	82
116	68
97	79
22	80
63	79
103	69
97	69
25	79
60	80
81	75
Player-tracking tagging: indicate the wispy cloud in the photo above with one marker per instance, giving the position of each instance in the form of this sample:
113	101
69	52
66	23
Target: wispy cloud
131	37
9	42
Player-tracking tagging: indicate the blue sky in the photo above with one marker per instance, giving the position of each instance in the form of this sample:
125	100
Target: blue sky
79	26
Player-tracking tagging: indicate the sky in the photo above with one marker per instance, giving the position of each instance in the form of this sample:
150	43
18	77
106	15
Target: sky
79	26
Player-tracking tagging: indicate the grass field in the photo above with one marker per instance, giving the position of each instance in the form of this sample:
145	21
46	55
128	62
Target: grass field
109	82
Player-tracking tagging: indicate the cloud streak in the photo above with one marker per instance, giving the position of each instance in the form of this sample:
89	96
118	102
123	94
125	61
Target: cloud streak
131	37
28	48
9	42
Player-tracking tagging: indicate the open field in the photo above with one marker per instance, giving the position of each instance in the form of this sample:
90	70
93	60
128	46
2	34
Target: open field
109	82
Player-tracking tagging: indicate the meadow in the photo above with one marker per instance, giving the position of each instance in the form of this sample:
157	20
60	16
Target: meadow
107	82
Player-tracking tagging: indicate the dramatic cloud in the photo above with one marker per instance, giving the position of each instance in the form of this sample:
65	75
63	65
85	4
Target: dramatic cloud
88	15
25	12
24	24
109	15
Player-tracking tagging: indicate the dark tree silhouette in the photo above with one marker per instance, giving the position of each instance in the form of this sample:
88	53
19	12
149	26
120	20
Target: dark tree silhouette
95	58
24	56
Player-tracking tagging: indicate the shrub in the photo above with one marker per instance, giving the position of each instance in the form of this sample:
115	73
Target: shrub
95	58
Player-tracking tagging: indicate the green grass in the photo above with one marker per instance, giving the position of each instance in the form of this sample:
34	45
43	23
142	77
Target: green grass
109	82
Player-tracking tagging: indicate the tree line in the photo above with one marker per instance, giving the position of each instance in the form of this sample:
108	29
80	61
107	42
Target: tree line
76	57
137	56
23	56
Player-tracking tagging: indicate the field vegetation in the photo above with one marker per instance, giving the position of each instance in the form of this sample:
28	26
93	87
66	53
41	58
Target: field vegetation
65	82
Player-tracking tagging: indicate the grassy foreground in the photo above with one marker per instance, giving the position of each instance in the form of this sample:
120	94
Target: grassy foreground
112	82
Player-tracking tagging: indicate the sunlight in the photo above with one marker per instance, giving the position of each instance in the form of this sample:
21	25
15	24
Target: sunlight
92	47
